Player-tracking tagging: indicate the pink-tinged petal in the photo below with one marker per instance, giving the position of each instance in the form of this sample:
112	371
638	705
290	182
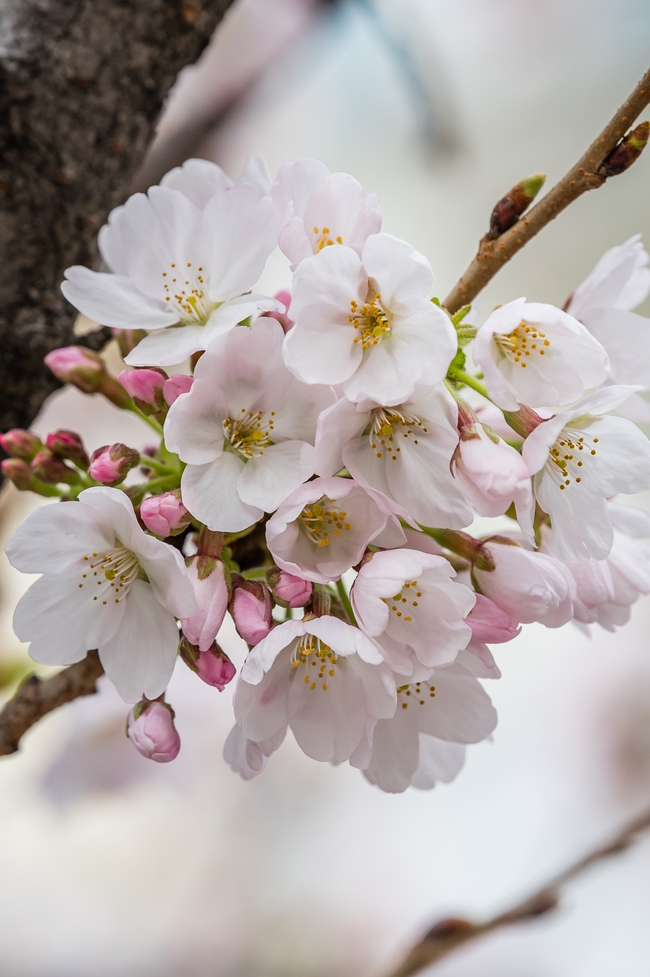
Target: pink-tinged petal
62	621
197	179
439	761
295	183
57	536
261	709
403	275
337	425
345	639
210	493
315	361
265	652
337	213
265	481
139	659
461	711
194	424
328	726
113	300
168	347
245	233
395	753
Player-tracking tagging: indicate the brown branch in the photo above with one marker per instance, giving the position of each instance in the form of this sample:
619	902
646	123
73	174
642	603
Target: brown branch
587	174
36	697
449	934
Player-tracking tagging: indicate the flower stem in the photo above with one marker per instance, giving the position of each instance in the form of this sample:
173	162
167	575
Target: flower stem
345	601
468	380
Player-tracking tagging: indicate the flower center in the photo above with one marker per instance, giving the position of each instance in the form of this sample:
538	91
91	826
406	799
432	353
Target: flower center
315	654
410	695
400	605
521	343
323	238
323	520
387	425
109	576
567	456
370	320
250	433
185	293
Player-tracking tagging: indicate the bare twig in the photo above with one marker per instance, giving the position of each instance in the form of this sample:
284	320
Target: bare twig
449	934
587	174
36	697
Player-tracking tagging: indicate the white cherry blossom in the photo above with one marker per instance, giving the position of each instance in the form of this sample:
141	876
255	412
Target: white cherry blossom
107	585
579	459
404	452
537	355
200	179
245	429
323	679
603	302
319	209
422	742
408	603
178	265
322	529
366	321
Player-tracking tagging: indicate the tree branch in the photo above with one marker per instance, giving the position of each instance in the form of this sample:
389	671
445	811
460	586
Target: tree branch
449	934
587	174
82	83
36	697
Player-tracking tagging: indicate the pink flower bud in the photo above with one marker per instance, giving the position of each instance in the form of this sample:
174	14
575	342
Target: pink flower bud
165	515
18	472
146	388
175	386
208	579
251	609
20	444
489	623
490	473
68	445
212	666
86	371
283	317
111	464
288	590
52	470
150	727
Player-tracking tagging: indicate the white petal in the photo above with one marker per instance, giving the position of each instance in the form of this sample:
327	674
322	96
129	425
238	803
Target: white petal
334	276
244	235
439	761
140	658
210	493
265	481
168	347
197	179
320	348
56	536
404	276
460	711
113	300
194	424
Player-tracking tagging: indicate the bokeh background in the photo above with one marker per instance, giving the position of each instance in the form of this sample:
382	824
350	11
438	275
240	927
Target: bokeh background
111	865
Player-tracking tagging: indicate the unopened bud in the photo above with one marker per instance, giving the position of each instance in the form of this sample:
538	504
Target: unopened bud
288	590
87	371
18	471
146	389
20	444
627	151
150	727
178	384
283	317
212	666
523	421
510	208
68	445
111	464
128	339
165	515
52	470
250	607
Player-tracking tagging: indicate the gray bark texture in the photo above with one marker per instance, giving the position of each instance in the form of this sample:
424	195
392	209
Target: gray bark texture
82	83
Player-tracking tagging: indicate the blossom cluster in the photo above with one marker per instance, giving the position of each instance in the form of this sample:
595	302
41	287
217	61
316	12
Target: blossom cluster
319	457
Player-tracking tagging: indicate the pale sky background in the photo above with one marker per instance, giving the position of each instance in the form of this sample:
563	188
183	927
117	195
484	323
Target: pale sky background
111	865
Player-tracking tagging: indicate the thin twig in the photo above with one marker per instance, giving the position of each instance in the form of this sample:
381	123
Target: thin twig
36	697
449	934
585	175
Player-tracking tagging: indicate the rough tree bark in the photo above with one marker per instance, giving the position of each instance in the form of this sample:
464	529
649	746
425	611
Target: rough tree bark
82	83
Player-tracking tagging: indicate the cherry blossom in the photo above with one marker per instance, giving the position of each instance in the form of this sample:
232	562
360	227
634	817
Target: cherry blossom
491	473
366	321
322	529
107	585
404	452
175	265
407	602
603	302
451	708
579	459
246	429
323	679
319	209
537	355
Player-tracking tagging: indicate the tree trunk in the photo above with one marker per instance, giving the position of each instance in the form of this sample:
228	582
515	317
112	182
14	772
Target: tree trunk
82	83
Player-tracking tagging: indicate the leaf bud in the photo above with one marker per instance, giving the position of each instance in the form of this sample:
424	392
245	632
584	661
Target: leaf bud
510	208
627	151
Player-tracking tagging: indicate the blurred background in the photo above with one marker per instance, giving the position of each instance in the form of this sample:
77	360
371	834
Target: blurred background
112	865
